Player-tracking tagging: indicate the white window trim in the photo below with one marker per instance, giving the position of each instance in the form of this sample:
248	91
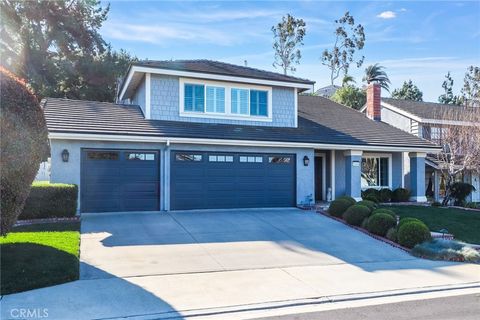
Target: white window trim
380	155
228	115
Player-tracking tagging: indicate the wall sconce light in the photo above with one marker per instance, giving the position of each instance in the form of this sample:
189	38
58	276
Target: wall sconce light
306	161
65	155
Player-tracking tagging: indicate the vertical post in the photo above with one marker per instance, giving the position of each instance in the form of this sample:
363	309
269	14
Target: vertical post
417	176
353	172
148	94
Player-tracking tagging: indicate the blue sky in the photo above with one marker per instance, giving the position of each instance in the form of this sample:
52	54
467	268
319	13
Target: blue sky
419	40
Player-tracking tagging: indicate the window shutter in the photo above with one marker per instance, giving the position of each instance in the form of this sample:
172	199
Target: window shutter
188	103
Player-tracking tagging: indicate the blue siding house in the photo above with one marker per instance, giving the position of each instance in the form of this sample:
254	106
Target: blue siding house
200	134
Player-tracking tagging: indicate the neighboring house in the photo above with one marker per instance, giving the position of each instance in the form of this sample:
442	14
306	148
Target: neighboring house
328	91
201	134
425	119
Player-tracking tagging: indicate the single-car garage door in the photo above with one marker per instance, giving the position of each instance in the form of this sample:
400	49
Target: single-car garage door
206	180
119	180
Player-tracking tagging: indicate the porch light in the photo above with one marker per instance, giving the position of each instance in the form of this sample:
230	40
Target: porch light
65	155
306	161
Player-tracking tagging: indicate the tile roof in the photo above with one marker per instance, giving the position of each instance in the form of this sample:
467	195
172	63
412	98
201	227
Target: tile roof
320	121
432	110
220	68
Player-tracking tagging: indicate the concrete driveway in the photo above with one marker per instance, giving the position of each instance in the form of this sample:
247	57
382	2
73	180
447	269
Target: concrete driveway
142	244
231	265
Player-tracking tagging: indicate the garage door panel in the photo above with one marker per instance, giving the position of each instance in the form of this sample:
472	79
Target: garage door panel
118	183
211	183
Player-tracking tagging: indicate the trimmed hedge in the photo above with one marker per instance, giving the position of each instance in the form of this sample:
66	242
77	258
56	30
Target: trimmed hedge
385	195
401	195
350	199
392	234
50	200
338	207
406	220
380	223
372	198
369	204
356	214
412	233
387	211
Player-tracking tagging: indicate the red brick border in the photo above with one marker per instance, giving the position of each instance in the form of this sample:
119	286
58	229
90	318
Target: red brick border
46	220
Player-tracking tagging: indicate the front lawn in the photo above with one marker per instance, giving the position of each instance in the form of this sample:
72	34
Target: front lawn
39	255
463	224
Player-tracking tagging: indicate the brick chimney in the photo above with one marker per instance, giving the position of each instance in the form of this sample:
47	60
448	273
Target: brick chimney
373	102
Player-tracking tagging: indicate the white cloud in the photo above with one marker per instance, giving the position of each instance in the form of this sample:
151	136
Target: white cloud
403	10
387	15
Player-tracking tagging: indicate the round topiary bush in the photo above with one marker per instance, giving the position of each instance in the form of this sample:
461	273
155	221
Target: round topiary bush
392	234
406	220
356	214
371	191
412	233
369	204
400	195
387	211
350	199
385	195
371	198
338	207
24	144
380	223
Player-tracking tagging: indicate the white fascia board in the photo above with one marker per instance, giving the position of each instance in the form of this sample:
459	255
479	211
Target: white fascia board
449	122
209	76
248	143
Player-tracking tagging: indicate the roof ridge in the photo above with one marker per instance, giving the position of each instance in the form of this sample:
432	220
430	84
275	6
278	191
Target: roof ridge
47	99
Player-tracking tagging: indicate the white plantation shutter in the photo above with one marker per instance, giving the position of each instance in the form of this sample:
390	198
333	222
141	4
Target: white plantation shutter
240	101
215	99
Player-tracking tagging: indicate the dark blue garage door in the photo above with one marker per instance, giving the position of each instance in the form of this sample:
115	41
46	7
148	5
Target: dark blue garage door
119	180
206	180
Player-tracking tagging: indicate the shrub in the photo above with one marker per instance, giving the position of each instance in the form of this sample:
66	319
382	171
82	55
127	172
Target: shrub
371	191
338	207
350	199
24	144
50	200
436	204
392	234
372	198
364	224
386	195
380	223
412	233
356	214
460	191
440	249
471	205
369	204
387	211
400	195
406	220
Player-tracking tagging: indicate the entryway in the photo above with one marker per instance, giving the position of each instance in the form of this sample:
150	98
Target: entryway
320	168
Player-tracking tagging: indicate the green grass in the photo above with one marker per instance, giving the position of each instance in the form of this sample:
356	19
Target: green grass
39	255
463	224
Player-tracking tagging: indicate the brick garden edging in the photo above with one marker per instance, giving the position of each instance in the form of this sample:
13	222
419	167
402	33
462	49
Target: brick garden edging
387	241
45	220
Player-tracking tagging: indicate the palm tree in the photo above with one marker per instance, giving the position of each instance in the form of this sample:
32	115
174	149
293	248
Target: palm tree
347	79
374	73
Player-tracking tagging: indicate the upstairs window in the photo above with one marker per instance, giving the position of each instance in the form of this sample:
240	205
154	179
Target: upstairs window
215	97
258	103
240	101
194	97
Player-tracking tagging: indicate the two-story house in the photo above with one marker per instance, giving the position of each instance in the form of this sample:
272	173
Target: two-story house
429	121
199	134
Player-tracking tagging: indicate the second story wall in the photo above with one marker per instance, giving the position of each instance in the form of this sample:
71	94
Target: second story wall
139	97
400	121
167	103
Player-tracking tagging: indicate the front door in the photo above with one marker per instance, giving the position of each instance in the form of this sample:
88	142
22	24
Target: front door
318	179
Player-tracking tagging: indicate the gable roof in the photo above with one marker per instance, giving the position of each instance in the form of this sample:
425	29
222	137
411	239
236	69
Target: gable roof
327	91
220	68
428	111
320	121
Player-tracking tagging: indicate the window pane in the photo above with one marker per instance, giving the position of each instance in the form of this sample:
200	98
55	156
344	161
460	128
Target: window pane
215	99
384	172
243	159
239	101
140	156
279	159
251	159
102	155
229	158
258	103
212	158
258	159
199	98
369	172
188	157
188	97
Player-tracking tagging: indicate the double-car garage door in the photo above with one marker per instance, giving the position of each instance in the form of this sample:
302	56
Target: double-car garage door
129	180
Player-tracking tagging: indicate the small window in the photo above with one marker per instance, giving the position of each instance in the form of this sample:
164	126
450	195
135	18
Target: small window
220	158
140	156
279	159
251	159
215	99
188	157
102	155
258	103
194	97
239	101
